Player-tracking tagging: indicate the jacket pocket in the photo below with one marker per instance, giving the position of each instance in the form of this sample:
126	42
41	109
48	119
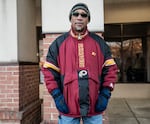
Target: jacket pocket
94	86
71	93
69	78
94	77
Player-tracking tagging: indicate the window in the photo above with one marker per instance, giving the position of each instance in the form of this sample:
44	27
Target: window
129	49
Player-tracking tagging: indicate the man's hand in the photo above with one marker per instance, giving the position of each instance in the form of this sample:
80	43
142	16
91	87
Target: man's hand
102	100
60	101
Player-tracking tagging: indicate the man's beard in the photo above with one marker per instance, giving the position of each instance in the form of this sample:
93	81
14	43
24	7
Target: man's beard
79	29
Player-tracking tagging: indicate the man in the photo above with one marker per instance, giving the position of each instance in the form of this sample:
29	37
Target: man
79	71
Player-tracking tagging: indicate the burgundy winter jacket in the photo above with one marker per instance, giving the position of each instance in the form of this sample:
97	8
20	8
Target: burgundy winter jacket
80	68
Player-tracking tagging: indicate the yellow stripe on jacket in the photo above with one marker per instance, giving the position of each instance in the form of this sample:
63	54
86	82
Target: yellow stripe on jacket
52	66
109	62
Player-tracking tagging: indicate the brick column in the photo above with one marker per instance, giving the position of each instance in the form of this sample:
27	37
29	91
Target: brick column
19	94
50	113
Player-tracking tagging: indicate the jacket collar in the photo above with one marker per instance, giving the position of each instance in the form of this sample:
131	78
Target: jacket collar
78	36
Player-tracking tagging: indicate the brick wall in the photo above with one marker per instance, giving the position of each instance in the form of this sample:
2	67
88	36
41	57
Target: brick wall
9	94
29	80
19	94
29	101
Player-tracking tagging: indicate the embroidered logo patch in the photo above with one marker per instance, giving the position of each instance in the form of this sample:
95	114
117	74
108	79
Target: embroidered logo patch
93	54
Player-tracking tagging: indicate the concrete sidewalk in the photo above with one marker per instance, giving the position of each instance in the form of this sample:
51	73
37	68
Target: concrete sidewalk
128	111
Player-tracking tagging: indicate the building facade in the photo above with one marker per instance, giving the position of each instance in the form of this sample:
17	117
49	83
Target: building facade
23	46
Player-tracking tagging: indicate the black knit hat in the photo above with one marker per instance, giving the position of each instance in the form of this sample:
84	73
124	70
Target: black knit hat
80	6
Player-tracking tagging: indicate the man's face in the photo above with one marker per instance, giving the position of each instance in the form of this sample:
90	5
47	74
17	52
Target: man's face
79	20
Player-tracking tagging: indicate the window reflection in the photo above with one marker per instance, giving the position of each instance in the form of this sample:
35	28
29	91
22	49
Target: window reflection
129	58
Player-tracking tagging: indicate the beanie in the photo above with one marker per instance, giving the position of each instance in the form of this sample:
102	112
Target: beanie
80	6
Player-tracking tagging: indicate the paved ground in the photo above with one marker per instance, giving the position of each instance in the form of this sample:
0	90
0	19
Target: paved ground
125	111
128	111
